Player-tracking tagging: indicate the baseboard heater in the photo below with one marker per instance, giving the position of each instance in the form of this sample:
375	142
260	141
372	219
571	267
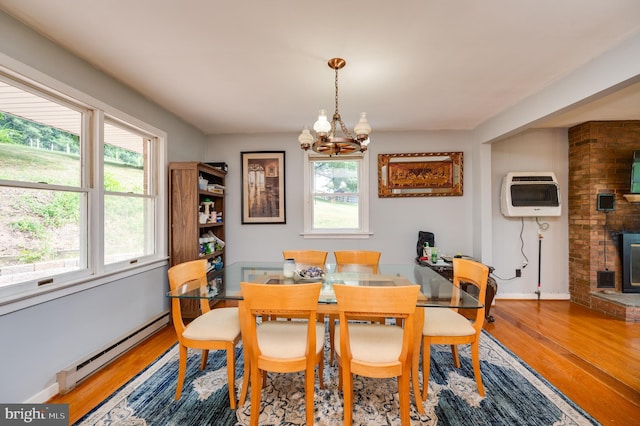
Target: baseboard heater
73	374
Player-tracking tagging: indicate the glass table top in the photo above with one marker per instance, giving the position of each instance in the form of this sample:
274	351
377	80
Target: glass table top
436	291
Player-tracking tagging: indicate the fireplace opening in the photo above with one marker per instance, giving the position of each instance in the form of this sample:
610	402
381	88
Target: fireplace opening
630	261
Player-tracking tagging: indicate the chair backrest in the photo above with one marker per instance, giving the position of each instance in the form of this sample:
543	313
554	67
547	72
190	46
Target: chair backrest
357	257
385	302
192	271
307	257
346	259
286	300
476	274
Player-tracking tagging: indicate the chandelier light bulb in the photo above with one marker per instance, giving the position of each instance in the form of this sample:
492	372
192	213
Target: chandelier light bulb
322	126
305	138
362	127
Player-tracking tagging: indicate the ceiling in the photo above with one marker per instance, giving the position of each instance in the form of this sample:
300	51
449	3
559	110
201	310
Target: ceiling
233	67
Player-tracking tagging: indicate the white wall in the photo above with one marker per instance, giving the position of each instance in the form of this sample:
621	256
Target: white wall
395	222
534	150
40	340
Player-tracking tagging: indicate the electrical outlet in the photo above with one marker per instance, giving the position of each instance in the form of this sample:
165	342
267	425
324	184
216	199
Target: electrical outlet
518	273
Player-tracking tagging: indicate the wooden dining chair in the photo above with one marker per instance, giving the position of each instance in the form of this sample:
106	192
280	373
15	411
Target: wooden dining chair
307	257
447	326
316	258
360	260
281	346
372	349
214	329
352	261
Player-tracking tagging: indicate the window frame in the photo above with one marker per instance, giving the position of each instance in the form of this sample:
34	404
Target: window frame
150	195
28	293
363	196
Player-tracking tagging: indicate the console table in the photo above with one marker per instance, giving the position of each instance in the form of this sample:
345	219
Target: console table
446	270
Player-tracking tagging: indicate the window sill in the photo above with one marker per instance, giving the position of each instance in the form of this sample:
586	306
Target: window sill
336	235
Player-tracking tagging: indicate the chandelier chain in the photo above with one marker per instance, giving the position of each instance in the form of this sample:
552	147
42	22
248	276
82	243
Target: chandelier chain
337	117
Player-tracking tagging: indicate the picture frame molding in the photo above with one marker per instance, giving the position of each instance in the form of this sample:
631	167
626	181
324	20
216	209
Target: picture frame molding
271	165
427	174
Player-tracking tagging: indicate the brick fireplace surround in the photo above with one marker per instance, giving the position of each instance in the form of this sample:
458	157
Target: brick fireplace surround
600	159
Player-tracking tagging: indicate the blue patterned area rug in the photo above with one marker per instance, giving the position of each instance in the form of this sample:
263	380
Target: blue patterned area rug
515	394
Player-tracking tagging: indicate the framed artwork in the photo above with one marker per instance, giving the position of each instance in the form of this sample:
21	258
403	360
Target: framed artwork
263	197
420	175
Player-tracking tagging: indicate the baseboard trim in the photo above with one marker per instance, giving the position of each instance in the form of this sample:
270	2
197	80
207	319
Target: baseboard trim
532	296
44	395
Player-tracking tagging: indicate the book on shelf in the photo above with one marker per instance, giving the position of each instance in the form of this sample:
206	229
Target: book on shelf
216	188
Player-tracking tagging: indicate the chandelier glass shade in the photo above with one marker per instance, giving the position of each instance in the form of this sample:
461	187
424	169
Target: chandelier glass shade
326	140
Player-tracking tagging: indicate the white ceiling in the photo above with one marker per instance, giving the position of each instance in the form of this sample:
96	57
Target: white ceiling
248	67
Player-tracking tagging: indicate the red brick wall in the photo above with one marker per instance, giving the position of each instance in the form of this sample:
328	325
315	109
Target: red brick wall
600	158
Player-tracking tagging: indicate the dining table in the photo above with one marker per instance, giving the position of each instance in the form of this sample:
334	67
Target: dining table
435	290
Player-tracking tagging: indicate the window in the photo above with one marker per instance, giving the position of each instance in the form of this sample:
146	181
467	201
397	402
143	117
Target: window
128	194
336	199
67	214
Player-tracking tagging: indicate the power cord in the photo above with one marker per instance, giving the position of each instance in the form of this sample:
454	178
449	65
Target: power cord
543	226
503	279
524	256
526	259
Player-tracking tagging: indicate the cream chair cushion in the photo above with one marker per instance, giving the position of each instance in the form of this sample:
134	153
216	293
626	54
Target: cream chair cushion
373	343
287	339
446	322
217	324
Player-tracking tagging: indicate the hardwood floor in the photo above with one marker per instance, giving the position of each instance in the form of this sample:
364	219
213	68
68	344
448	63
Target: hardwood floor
593	359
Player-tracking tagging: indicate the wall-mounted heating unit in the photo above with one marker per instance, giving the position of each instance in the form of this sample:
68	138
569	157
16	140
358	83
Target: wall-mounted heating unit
79	370
530	194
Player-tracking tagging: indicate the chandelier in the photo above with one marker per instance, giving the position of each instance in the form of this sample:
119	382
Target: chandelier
326	140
